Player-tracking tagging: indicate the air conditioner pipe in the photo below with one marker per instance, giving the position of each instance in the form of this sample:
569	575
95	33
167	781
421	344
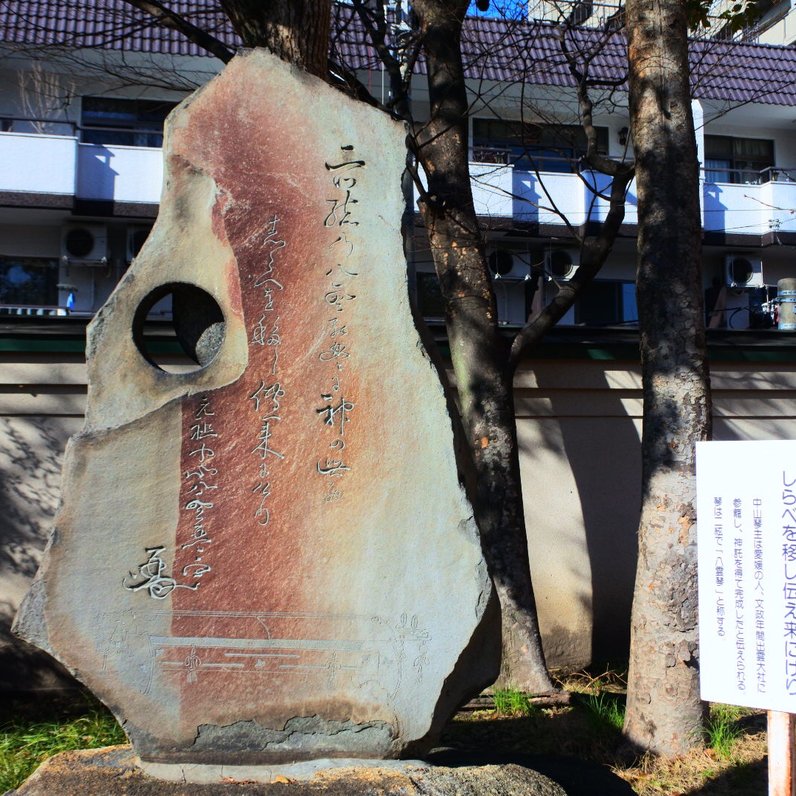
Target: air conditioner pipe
786	298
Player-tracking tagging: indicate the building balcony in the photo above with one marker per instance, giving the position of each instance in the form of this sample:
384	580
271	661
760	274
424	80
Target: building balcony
751	204
38	164
58	165
545	198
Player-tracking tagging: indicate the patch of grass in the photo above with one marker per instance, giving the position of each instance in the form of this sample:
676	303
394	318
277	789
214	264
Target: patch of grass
510	702
606	711
722	729
24	745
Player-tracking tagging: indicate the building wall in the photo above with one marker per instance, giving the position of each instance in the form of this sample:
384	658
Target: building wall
41	405
578	422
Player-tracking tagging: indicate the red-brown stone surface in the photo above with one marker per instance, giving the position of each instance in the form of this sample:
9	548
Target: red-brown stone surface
269	558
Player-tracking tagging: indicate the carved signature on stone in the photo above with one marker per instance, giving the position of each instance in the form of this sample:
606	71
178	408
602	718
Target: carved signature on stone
408	633
192	664
153	578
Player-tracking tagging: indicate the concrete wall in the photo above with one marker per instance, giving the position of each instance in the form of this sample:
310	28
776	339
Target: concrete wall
41	405
579	425
578	422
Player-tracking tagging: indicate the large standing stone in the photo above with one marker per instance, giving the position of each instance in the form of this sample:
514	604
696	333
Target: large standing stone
269	558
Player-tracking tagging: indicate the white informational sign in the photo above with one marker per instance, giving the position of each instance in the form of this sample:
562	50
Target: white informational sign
746	512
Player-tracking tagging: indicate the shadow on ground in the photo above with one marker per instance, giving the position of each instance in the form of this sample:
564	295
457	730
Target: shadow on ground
743	779
577	777
51	706
555	748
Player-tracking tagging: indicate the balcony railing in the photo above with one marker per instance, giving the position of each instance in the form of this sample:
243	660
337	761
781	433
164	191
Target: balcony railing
750	176
36	126
533	162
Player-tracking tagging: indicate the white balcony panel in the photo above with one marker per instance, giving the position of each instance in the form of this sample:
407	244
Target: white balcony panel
732	208
119	173
598	191
778	206
548	196
492	188
750	209
631	204
502	191
31	163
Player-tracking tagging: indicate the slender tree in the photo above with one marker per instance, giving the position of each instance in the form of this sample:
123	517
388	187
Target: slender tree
484	359
479	353
664	712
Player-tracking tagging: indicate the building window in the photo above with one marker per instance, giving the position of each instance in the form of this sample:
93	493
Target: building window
738	160
542	147
607	303
28	281
124	122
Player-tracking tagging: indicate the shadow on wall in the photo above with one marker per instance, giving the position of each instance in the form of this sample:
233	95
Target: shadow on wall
31	450
586	421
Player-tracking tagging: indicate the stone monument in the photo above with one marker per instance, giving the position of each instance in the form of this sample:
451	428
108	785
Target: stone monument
268	558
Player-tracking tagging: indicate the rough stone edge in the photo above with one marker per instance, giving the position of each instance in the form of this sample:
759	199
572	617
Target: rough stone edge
480	654
30	623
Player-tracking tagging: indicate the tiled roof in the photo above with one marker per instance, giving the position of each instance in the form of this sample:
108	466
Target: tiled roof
493	49
738	72
110	24
734	72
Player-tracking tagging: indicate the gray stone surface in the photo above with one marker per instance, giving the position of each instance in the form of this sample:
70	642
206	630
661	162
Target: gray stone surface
269	558
113	772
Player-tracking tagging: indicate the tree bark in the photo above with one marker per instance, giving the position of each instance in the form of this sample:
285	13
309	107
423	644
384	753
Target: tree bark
484	377
664	712
295	30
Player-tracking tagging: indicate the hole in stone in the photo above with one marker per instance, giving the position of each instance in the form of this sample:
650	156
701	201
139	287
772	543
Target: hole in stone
197	326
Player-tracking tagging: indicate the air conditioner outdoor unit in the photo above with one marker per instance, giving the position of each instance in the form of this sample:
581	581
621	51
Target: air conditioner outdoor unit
136	235
505	264
84	244
561	264
743	270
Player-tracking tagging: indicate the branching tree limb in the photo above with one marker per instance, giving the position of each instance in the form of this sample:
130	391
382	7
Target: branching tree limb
169	19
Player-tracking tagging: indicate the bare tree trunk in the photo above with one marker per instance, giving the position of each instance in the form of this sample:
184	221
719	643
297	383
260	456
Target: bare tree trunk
479	354
664	712
295	30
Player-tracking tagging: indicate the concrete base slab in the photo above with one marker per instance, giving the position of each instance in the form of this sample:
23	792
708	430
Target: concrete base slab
114	771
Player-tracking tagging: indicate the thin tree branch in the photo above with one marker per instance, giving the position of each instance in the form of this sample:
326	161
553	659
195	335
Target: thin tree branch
169	19
347	81
594	253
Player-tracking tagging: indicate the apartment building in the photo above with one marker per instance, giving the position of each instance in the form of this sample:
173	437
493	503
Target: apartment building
80	166
85	88
774	23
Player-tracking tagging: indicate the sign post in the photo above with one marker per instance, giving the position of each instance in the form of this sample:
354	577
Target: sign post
780	754
746	505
